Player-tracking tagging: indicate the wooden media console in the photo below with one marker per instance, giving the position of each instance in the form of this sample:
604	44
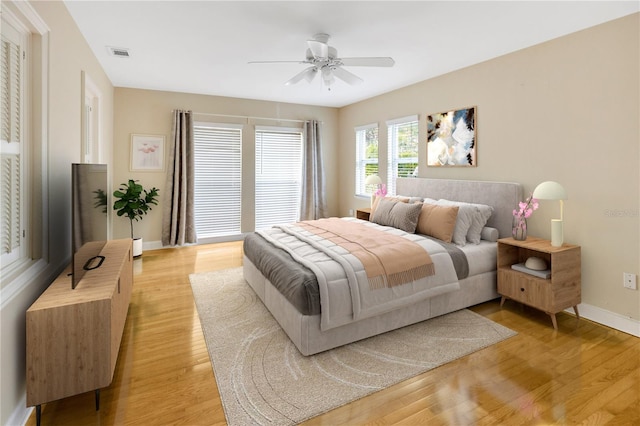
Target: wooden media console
73	335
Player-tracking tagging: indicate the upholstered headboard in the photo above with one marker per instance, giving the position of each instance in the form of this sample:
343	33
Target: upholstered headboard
502	196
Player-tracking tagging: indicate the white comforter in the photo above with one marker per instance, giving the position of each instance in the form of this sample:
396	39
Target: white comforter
344	291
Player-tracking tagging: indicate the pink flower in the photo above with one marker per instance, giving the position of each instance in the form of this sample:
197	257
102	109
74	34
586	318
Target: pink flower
526	208
382	191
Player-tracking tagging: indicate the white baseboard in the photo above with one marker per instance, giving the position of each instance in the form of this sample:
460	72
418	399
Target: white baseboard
155	245
608	318
21	414
151	245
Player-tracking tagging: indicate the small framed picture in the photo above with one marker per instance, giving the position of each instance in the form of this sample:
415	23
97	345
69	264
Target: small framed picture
147	153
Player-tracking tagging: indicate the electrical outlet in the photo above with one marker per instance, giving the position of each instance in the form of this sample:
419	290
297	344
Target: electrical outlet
629	280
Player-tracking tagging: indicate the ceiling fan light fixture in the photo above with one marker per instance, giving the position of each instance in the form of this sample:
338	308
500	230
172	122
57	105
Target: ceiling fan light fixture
327	76
324	60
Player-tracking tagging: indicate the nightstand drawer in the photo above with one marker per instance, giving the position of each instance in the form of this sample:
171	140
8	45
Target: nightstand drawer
530	291
363	214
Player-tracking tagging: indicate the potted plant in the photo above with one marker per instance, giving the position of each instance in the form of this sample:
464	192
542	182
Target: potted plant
133	201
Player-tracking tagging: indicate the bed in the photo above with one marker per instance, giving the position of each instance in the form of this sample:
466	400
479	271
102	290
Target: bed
317	308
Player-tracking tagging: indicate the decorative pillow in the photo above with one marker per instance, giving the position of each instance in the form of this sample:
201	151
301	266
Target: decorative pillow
411	200
479	215
489	234
400	215
437	221
479	221
475	233
399	198
464	220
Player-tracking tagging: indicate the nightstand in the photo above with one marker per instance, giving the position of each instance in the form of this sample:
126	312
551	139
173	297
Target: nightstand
562	289
363	213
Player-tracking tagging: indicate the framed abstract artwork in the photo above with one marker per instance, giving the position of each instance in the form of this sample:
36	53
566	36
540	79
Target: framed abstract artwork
451	138
147	153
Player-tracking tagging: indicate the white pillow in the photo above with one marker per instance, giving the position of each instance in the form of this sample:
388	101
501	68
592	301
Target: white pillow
475	233
466	213
412	200
479	215
489	234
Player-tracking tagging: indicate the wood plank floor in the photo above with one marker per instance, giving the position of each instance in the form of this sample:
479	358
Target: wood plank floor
583	373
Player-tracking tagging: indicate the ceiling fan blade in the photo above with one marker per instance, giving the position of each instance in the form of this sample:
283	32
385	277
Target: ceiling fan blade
277	62
319	49
307	74
368	62
346	76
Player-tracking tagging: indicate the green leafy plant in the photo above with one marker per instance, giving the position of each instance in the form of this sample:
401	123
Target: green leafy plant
133	201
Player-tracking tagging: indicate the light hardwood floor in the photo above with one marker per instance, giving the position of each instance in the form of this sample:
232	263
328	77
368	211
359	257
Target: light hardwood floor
583	373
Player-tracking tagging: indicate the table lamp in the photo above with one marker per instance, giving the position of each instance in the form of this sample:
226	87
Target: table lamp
550	190
373	180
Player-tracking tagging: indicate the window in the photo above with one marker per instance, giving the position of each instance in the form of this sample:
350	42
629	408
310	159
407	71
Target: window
24	118
278	175
13	149
366	157
217	179
402	140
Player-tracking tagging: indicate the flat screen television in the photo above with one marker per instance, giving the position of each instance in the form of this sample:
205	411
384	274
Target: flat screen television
89	202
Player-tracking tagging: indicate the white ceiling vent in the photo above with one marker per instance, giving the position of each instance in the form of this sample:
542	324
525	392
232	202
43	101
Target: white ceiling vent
118	52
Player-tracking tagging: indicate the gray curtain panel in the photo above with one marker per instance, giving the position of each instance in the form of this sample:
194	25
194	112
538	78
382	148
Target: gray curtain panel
313	201
178	226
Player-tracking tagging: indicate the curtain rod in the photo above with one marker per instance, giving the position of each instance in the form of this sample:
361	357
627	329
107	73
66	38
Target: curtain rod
247	117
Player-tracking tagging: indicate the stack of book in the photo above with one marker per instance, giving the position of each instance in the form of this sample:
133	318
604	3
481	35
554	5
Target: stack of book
545	274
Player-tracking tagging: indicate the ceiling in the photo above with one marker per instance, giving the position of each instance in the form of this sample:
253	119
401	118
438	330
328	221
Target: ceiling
204	46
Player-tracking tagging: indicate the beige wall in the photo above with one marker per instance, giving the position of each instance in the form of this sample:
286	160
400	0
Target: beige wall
150	112
566	110
68	55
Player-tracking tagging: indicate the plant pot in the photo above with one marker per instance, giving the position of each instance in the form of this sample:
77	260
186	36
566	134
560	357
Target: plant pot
137	247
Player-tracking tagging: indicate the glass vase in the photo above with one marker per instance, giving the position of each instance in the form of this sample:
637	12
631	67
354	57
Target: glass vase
519	229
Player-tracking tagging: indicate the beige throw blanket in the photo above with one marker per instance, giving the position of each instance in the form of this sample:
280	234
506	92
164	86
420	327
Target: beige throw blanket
388	260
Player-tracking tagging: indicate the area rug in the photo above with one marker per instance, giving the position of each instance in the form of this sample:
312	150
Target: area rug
263	379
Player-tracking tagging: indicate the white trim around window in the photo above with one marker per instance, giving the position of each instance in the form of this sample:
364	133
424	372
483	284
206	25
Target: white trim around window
399	163
363	161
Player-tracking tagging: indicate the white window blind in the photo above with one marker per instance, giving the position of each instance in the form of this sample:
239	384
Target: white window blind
402	140
12	147
278	176
218	179
366	157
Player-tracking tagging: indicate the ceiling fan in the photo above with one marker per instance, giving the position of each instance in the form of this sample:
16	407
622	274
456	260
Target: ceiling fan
324	60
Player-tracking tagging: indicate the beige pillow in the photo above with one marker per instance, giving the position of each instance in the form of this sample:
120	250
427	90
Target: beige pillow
466	213
400	215
395	199
437	221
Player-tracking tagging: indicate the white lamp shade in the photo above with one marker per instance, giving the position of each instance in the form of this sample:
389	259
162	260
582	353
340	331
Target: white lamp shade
373	180
550	190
